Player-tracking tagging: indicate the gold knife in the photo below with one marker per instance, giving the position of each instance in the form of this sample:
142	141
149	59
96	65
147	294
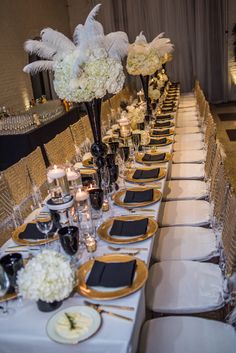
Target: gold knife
121	307
101	311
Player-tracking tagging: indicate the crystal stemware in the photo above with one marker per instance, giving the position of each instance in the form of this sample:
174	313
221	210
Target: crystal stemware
44	223
4	287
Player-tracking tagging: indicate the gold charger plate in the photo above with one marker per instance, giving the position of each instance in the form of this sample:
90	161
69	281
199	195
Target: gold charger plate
104	230
141	275
171	132
17	240
119	197
87	171
7	297
169	141
86	163
130	172
164	127
139	157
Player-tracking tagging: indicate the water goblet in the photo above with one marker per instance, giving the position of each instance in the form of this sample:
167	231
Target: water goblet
44	223
69	239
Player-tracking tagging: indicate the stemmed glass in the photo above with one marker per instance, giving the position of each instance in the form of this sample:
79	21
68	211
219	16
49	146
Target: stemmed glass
69	239
4	287
96	199
44	223
124	152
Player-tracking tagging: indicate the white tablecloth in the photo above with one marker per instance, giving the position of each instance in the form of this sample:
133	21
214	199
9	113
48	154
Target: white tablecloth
25	331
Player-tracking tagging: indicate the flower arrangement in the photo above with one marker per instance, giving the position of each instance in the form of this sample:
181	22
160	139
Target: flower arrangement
86	68
47	277
146	58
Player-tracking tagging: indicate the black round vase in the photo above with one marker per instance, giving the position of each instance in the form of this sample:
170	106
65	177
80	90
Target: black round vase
47	307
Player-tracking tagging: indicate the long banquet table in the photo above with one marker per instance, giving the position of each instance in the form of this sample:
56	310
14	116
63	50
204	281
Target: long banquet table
26	330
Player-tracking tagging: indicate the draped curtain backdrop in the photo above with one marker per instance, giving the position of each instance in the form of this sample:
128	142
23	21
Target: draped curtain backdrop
196	27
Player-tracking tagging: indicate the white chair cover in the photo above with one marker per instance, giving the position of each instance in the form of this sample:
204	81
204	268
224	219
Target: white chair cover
187	171
184	213
184	334
184	117
185	190
188	145
184	287
194	156
187	130
184	243
189	138
187	123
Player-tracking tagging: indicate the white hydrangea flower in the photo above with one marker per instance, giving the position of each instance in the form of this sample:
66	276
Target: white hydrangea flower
47	277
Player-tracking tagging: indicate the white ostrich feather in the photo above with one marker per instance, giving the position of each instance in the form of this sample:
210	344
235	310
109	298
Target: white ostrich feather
140	38
163	45
116	44
38	66
39	48
90	18
57	41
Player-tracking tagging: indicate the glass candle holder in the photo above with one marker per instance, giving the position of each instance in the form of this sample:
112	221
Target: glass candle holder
58	184
90	243
74	179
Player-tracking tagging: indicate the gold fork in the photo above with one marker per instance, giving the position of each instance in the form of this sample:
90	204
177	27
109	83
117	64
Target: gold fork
100	310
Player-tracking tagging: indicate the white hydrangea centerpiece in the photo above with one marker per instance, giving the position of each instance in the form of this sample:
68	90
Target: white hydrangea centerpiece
146	58
47	277
86	68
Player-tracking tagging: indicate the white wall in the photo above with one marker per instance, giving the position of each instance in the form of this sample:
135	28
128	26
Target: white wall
19	21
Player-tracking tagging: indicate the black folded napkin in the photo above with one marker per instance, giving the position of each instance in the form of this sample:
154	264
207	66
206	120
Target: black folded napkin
158	142
154	157
146	174
166	123
31	232
113	274
129	228
138	196
166	117
160	132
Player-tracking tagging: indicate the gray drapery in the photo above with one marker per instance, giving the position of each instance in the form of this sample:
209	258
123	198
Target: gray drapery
196	27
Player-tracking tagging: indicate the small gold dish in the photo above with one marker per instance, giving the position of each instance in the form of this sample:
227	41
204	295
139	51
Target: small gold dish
18	240
119	198
139	157
103	293
130	172
104	230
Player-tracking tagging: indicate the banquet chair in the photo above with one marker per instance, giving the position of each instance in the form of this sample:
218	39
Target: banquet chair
78	133
87	127
20	188
187	334
187	130
186	156
55	151
7	226
66	140
38	174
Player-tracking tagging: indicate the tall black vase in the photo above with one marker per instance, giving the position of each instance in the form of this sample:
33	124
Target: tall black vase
98	148
145	82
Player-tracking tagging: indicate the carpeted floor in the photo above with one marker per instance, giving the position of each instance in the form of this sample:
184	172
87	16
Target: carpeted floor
225	117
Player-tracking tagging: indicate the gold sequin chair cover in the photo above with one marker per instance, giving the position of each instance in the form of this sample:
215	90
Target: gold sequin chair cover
87	128
38	173
78	132
7	223
229	234
66	140
21	190
55	151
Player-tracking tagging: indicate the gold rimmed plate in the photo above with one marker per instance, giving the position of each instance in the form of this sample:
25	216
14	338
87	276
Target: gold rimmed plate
169	141
139	157
120	195
88	171
104	230
103	293
171	132
130	172
172	124
36	242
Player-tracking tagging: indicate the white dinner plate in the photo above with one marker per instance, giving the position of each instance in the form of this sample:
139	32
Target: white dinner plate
90	313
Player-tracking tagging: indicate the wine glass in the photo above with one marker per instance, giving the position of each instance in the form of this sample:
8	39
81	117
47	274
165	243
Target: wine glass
44	223
4	287
136	139
96	199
